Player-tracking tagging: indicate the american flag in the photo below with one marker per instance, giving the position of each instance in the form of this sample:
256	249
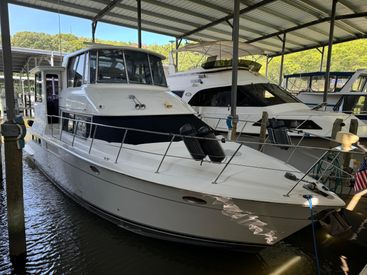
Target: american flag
361	177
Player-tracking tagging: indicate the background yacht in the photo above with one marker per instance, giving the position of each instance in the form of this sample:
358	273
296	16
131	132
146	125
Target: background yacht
208	90
347	92
109	134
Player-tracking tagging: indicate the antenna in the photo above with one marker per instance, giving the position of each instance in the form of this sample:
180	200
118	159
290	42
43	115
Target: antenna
58	14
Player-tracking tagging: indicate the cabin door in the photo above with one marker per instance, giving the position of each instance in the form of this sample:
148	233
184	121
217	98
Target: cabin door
52	95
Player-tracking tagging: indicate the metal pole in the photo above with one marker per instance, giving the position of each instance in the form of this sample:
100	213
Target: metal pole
322	57
29	103
94	27
329	50
235	34
138	2
177	45
13	155
282	60
267	66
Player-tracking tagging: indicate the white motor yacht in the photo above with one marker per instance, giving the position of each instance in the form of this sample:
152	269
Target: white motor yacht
347	91
108	133
208	90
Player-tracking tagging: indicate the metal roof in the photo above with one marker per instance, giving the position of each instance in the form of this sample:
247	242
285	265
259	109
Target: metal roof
22	56
306	22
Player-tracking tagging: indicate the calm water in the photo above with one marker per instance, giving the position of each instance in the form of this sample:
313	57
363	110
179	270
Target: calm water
62	237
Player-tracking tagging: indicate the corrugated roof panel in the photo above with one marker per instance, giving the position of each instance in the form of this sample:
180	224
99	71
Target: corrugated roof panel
176	17
296	14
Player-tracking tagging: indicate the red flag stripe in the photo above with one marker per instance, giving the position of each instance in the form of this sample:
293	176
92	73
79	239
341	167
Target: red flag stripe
360	181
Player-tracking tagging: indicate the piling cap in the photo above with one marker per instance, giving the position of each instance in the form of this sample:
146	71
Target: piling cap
346	140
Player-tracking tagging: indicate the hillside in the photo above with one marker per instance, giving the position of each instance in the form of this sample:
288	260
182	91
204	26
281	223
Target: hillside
347	56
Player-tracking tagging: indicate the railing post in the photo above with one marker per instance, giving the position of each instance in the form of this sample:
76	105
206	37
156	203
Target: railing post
225	166
307	172
52	127
122	142
216	126
165	153
264	121
243	127
91	143
75	129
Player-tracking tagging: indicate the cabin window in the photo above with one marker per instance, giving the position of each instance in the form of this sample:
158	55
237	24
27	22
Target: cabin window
178	93
159	77
38	87
76	124
92	66
298	84
71	72
359	83
138	67
253	95
75	70
111	66
79	71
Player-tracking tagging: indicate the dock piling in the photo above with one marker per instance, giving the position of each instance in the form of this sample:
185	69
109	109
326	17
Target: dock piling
12	132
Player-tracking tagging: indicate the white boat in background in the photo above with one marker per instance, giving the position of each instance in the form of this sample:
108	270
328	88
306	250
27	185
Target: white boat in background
208	90
109	133
347	91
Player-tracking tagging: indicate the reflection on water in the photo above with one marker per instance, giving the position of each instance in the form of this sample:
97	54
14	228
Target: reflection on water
62	237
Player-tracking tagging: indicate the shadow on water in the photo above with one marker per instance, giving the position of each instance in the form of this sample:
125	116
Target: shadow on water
62	237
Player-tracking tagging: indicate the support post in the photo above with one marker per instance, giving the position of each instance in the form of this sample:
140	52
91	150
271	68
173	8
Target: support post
13	155
337	126
177	45
235	39
329	51
322	57
353	128
29	102
94	27
266	66
138	3
282	59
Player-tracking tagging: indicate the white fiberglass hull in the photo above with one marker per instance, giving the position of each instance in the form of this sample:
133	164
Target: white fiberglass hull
168	212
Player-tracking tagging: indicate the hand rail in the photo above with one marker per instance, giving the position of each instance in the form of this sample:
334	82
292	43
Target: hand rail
175	136
165	153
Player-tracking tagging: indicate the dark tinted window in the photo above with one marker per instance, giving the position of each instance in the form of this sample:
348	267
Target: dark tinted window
92	66
79	71
111	66
178	93
138	67
254	95
157	69
71	71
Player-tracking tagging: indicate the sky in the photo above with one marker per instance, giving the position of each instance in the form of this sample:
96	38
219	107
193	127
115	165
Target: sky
27	19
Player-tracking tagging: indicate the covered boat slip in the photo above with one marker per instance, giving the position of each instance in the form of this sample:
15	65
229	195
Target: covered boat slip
262	22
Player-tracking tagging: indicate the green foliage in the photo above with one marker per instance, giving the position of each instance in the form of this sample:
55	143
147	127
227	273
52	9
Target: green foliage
347	56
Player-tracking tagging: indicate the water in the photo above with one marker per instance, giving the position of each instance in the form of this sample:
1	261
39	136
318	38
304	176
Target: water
64	238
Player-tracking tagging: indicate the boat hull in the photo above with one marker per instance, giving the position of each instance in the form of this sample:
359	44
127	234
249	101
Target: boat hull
166	212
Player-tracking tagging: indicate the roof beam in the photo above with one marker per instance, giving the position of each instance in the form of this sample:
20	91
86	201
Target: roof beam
317	45
106	9
285	17
230	16
325	12
315	22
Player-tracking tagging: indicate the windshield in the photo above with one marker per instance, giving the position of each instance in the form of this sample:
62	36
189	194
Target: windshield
253	95
126	66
